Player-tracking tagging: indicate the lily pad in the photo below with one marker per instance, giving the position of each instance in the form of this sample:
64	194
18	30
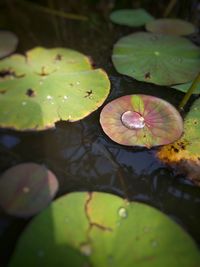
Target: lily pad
131	17
8	43
185	86
26	189
141	120
185	153
100	230
171	27
48	85
155	58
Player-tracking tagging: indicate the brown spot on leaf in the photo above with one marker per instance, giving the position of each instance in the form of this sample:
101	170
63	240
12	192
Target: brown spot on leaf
6	73
2	91
43	71
147	75
58	57
88	93
30	92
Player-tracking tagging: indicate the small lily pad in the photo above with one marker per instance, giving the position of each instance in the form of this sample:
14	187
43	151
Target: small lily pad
155	58
171	27
185	153
141	120
26	189
48	85
8	43
131	17
101	230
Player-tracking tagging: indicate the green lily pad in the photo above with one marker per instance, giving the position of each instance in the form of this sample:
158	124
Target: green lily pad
141	120
159	59
131	17
100	230
48	85
185	86
171	27
26	189
185	153
8	43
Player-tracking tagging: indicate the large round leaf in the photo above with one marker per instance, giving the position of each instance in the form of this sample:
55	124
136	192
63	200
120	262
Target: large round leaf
101	230
49	85
141	120
155	58
185	153
26	189
131	17
8	43
170	26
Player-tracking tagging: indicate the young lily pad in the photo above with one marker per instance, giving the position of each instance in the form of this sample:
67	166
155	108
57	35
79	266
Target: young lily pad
170	26
141	120
8	43
131	17
26	189
48	85
101	230
155	58
185	153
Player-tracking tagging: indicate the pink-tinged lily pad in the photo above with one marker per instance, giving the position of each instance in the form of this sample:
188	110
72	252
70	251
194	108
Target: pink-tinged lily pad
8	43
26	189
171	27
141	120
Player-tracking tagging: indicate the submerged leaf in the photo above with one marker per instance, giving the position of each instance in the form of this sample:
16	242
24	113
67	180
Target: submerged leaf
49	85
26	189
8	43
101	230
171	27
131	17
185	153
156	58
141	120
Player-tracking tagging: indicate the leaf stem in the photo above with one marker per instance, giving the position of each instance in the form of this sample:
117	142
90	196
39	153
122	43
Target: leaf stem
53	11
190	91
169	8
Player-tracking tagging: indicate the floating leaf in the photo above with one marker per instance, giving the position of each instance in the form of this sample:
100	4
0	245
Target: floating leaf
26	189
8	43
101	230
155	58
170	26
131	17
141	120
185	153
185	86
49	85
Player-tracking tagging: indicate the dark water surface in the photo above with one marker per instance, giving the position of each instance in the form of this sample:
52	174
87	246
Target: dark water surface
79	153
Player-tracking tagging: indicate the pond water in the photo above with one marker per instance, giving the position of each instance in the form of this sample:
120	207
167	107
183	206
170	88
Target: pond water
80	154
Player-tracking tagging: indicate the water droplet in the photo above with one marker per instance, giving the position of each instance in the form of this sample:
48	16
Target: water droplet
157	53
49	97
26	189
77	83
86	249
132	120
154	243
65	97
24	103
52	103
123	213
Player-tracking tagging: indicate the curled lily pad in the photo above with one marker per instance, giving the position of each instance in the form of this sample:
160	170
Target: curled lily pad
100	230
8	43
26	189
184	87
171	27
159	59
141	120
131	17
185	153
48	85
